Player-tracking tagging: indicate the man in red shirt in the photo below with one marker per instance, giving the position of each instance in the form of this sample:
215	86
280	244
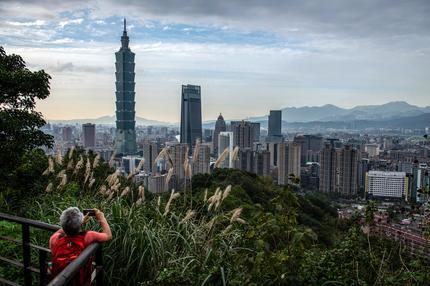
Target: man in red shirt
68	242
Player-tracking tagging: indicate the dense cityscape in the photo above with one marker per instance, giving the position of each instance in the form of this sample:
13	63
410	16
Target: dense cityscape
311	195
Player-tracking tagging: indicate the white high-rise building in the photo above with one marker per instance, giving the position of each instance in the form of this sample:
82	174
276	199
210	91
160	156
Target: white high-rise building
225	140
387	184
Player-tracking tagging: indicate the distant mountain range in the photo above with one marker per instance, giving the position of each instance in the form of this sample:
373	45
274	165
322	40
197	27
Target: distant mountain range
109	120
392	114
331	112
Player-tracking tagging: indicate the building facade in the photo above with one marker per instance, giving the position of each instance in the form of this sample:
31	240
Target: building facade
125	138
243	135
225	140
89	135
387	184
191	115
220	126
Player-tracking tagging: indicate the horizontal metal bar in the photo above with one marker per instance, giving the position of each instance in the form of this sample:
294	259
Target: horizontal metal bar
30	222
12	261
8	238
73	268
40	247
7	282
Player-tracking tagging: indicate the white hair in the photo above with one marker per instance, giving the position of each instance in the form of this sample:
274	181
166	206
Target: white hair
71	220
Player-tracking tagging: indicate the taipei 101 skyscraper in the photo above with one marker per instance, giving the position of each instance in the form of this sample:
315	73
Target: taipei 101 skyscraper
125	140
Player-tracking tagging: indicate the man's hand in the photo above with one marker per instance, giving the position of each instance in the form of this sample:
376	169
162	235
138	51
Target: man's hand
100	216
86	219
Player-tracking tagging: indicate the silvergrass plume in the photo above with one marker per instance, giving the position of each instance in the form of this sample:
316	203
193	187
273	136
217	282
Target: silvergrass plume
196	150
190	214
226	192
125	191
235	153
169	176
59	158
173	196
96	161
142	193
112	158
236	214
205	198
48	188
221	158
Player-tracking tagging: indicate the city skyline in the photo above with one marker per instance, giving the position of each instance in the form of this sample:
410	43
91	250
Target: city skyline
286	54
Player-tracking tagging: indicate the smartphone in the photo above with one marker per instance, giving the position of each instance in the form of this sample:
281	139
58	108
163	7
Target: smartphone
89	212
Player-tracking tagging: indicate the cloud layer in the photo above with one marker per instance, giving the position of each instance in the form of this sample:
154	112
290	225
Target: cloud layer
265	54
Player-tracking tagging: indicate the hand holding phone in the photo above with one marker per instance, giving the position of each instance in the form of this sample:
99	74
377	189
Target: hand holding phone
89	212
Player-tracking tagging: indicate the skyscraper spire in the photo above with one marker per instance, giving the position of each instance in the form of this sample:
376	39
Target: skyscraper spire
125	25
124	38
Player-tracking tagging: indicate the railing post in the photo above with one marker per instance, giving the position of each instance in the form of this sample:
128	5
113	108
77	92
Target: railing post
42	267
99	266
26	253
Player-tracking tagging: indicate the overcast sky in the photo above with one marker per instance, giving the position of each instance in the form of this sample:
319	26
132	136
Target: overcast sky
248	56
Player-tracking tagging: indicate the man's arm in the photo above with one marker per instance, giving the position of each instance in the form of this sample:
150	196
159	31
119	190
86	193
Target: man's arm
104	224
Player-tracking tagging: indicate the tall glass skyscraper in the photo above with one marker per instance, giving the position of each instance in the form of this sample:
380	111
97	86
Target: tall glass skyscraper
125	141
191	115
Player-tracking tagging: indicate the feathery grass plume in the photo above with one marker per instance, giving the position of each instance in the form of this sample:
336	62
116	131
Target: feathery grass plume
111	194
226	192
211	223
142	193
92	181
168	157
71	151
96	161
63	182
169	177
227	229
61	173
213	200
79	165
103	190
139	202
221	158
116	186
160	155
87	170
125	191
196	150
236	214
235	153
59	158
140	166
190	214
111	179
173	196
187	168
48	188
70	165
205	198
241	221
50	168
158	201
112	158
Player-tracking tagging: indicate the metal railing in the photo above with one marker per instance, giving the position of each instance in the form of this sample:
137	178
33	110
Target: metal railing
66	275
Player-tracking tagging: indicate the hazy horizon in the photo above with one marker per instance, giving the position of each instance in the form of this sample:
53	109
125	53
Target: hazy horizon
248	56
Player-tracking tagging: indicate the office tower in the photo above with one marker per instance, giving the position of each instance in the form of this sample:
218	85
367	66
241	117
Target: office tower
178	153
89	135
348	160
150	152
255	131
67	134
328	165
225	140
363	168
125	139
273	148
202	164
157	184
262	163
219	127
275	123
191	115
386	184
288	161
242	134
245	160
311	146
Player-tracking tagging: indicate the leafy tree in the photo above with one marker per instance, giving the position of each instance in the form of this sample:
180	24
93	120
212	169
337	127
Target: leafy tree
19	122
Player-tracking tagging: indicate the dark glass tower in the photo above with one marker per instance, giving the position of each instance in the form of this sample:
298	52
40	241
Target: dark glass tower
191	115
125	141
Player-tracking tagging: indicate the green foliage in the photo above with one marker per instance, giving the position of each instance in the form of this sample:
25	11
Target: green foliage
19	122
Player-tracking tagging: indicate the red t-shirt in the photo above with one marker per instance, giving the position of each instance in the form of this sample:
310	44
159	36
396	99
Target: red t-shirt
90	237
